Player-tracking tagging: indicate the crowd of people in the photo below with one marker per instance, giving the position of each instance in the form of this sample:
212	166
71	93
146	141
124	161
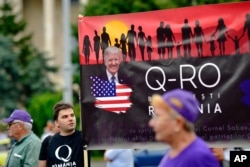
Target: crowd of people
173	123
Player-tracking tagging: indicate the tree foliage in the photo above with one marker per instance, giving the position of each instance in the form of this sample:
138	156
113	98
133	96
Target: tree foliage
106	7
40	108
24	69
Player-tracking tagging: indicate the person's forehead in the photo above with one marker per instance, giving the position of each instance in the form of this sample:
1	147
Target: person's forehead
161	110
112	56
66	111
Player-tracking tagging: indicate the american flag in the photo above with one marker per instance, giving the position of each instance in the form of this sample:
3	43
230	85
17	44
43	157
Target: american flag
110	96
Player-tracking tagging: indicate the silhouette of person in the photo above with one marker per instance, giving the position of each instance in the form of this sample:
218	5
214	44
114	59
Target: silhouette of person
141	41
212	45
123	43
198	38
221	38
131	36
170	40
160	34
149	47
236	41
116	43
178	49
186	36
97	46
86	48
105	40
247	27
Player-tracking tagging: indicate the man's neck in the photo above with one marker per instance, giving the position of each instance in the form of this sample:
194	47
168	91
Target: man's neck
181	142
68	133
22	135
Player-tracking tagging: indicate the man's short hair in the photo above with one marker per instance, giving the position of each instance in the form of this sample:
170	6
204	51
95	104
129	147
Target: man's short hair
60	106
27	126
111	50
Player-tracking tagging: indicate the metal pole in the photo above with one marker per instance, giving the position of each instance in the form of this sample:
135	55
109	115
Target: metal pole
67	67
48	10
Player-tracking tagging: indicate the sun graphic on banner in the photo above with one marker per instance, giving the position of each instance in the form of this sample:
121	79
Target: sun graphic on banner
115	29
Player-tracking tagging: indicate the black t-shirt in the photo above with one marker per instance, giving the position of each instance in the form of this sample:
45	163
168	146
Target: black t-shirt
63	150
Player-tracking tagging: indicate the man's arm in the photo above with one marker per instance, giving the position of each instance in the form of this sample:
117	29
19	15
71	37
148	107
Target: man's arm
32	154
44	152
42	163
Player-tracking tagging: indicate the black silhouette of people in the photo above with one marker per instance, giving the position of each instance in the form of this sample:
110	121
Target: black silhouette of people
178	49
212	45
105	40
123	43
86	48
221	38
236	41
198	38
149	47
186	38
131	37
97	46
247	28
165	40
170	40
160	34
117	44
141	41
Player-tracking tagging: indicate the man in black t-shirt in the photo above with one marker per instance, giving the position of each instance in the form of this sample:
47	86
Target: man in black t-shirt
66	147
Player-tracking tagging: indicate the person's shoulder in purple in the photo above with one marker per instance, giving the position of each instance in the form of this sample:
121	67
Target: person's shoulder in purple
197	154
173	123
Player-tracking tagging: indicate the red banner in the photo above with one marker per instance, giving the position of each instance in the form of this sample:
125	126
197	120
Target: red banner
204	49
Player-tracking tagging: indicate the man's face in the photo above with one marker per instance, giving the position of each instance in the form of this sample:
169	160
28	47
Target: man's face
163	124
66	120
112	63
13	129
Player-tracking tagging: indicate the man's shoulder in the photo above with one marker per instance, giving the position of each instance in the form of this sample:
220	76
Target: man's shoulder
33	138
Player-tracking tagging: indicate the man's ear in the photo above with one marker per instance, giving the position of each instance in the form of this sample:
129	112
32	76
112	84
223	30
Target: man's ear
179	124
56	124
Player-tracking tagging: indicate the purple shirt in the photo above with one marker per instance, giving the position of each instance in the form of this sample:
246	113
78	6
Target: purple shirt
197	154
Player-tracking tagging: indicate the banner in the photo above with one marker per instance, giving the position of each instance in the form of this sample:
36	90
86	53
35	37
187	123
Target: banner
204	49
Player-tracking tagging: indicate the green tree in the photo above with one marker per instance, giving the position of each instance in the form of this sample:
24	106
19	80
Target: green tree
106	7
40	108
24	69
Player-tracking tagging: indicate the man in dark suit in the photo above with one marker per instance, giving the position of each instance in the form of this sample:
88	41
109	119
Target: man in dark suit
112	60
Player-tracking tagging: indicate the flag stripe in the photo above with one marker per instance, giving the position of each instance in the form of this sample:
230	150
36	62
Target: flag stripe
112	98
114	105
118	90
113	102
118	110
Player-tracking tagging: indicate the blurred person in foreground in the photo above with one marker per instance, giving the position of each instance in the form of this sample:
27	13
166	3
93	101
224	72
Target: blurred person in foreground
26	146
66	147
173	124
119	158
